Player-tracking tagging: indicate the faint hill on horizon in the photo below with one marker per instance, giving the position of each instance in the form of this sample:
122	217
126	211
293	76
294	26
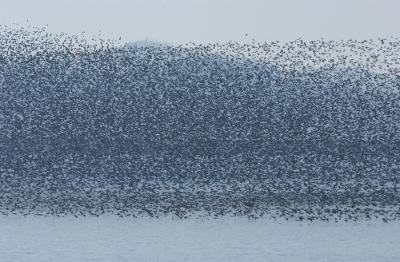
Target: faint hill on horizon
148	43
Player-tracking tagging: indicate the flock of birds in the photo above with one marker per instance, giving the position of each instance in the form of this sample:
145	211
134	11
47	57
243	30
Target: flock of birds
303	130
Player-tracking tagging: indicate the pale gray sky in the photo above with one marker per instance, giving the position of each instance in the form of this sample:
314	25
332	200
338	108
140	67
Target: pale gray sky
178	21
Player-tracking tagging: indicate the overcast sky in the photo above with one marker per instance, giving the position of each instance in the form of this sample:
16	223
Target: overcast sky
177	21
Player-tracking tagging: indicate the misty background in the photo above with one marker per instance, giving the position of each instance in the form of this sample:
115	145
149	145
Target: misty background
204	21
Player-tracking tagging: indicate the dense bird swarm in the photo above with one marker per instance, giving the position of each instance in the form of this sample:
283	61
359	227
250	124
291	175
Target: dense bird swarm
298	130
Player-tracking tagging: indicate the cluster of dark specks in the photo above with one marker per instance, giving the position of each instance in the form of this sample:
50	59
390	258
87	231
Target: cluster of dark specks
298	130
